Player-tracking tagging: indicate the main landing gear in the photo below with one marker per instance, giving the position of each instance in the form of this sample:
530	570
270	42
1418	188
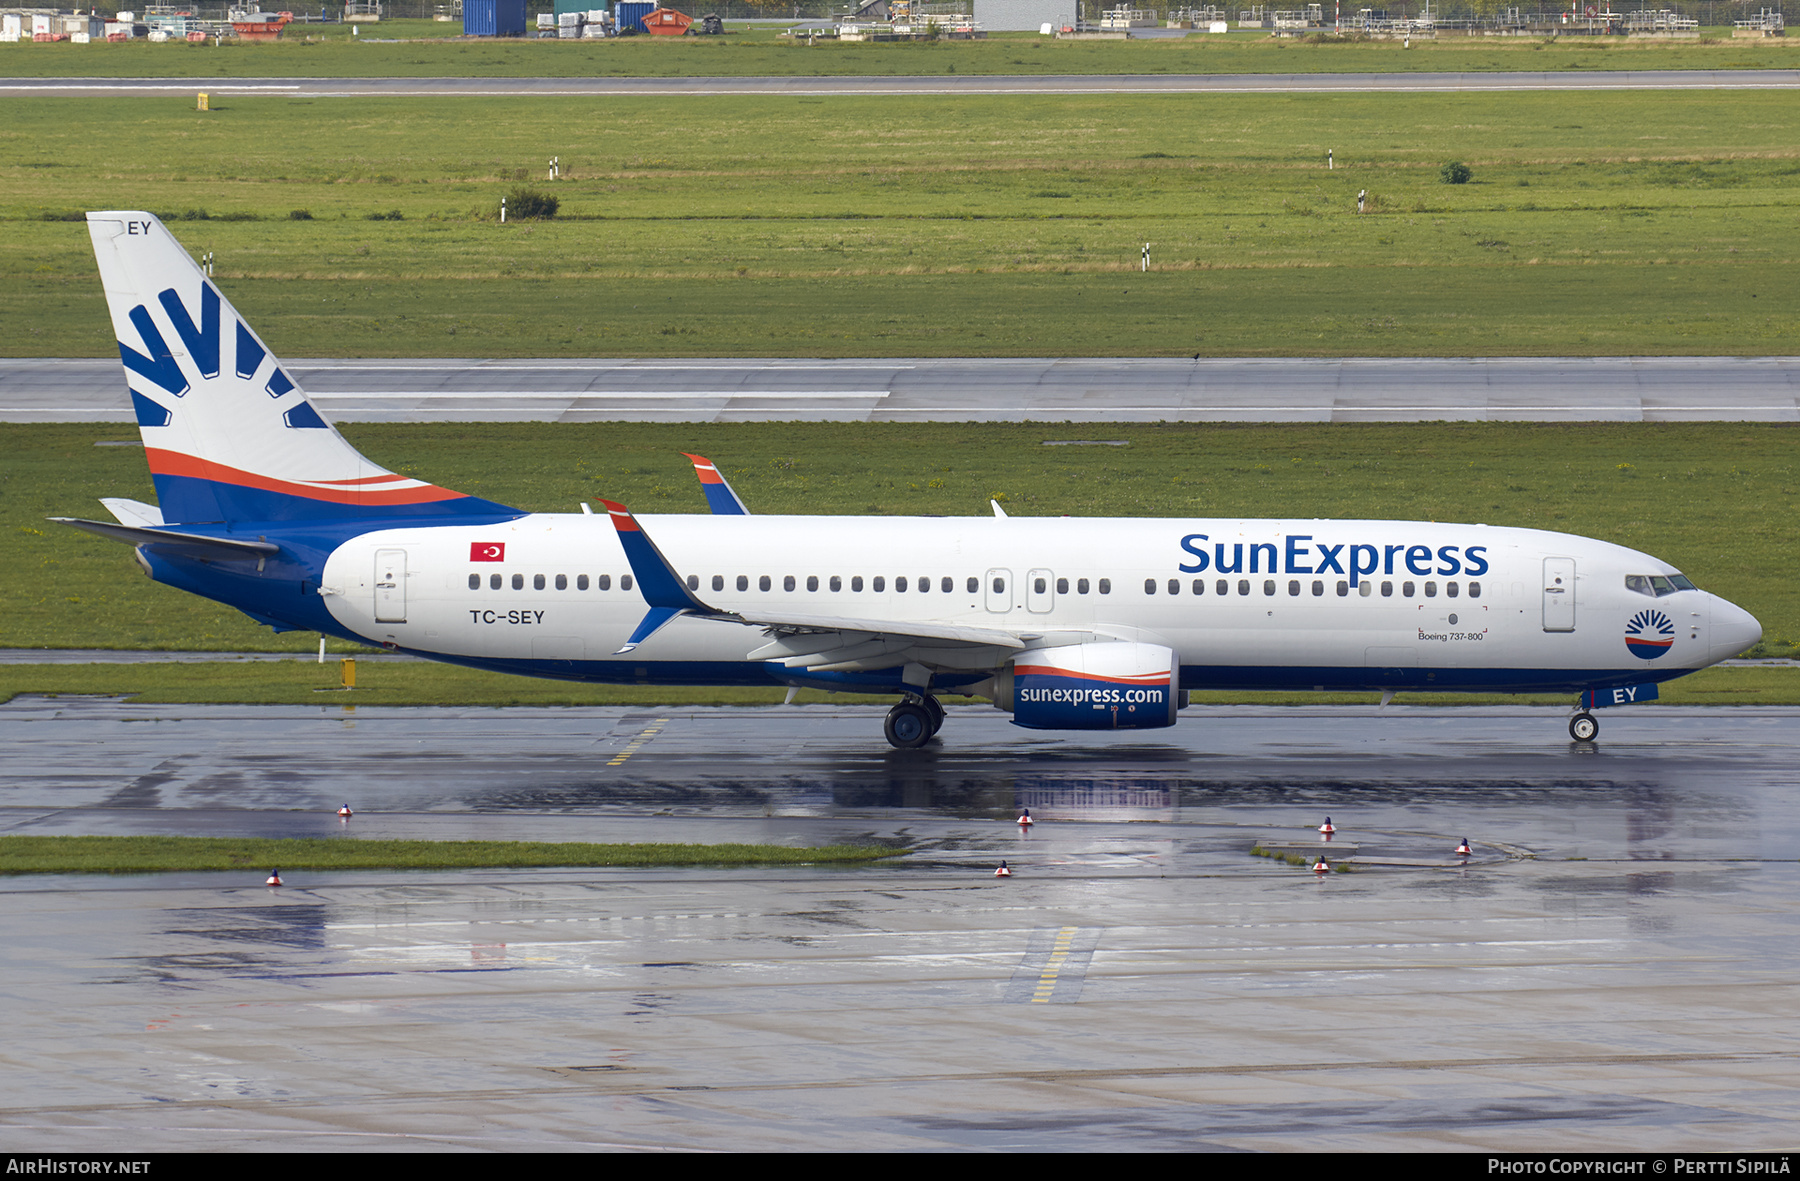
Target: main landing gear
1583	727
911	724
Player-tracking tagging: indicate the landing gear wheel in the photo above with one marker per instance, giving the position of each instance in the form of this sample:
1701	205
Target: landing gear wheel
1583	727
936	709
908	726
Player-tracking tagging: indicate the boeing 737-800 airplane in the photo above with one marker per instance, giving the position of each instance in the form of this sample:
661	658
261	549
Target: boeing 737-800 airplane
1066	623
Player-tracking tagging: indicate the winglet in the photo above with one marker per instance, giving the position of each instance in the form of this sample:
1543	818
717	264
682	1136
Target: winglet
653	621
720	497
663	589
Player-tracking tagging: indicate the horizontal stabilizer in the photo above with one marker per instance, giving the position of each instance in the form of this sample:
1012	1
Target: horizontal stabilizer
173	539
133	512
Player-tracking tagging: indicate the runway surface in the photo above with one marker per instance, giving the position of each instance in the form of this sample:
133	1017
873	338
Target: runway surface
1614	969
1097	390
934	85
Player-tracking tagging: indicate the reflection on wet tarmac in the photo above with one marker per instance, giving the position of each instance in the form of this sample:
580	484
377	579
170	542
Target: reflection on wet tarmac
1614	965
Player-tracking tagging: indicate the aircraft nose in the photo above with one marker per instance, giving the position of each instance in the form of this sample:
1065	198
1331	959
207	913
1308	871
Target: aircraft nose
1733	629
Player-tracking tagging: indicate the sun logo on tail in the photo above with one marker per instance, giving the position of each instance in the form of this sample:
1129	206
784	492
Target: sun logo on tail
1649	634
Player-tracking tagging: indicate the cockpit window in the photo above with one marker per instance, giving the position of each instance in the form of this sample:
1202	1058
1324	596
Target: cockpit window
1657	585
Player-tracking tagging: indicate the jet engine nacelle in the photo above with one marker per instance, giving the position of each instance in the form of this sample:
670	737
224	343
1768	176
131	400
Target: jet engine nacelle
1107	686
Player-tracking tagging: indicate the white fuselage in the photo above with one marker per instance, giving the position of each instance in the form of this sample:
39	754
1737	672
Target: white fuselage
1243	603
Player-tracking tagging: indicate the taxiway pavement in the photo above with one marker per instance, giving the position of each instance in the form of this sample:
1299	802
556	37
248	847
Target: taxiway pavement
1614	969
1042	84
1074	390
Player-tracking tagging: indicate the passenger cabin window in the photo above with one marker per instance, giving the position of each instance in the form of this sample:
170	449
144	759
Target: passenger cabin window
624	582
900	584
975	585
604	582
581	582
718	582
693	582
1294	586
1243	586
1223	587
947	585
763	583
1081	586
1318	587
1106	586
493	582
880	584
1474	590
1450	589
837	583
1387	590
474	582
787	582
562	582
1343	588
1199	586
856	584
1268	586
812	582
1149	586
1174	586
1406	590
518	582
743	582
1062	586
1431	590
537	582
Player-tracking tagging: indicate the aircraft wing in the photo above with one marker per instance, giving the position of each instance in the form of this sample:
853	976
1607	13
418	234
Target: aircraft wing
819	642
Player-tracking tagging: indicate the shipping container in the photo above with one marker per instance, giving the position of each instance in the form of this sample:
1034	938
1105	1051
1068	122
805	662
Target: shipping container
631	14
493	18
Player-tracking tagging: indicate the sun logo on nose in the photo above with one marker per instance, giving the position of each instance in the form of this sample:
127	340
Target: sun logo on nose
1649	634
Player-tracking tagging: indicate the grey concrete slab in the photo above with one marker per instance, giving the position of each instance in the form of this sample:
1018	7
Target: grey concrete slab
1558	389
1615	969
1572	80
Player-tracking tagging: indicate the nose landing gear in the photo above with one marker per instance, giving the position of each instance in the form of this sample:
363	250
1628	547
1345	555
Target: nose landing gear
912	723
1583	727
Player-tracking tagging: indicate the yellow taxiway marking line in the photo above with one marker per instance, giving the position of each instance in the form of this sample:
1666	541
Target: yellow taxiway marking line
643	736
1047	979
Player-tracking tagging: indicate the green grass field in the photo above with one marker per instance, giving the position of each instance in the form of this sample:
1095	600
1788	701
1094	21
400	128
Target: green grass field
1613	223
403	49
147	854
1717	500
406	684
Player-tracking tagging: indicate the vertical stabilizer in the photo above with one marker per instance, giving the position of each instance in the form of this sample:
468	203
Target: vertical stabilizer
229	435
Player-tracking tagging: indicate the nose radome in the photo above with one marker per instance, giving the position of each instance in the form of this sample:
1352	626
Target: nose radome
1733	629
